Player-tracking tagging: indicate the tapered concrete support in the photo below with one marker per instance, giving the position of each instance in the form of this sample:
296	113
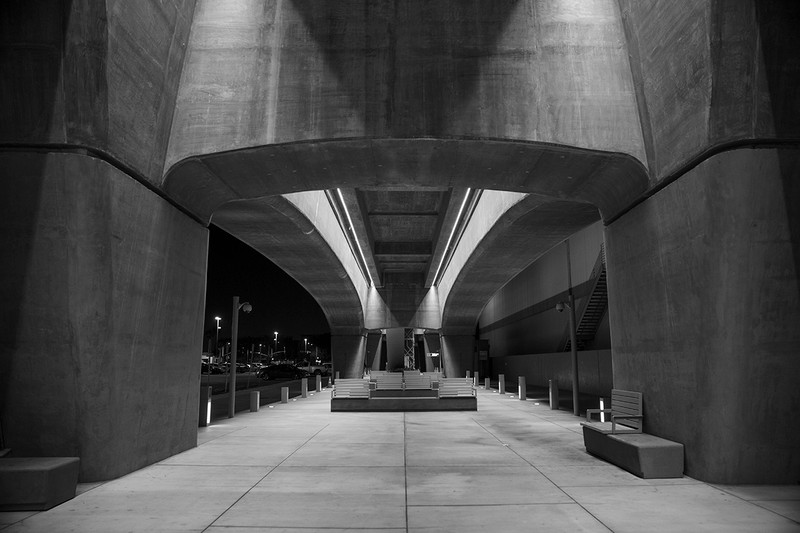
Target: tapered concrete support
457	354
103	284
718	319
348	354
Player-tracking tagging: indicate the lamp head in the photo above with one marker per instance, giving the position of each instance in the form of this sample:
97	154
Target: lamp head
246	307
560	307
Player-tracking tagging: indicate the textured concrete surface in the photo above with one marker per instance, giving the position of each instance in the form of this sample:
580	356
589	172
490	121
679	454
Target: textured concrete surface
704	297
299	467
99	75
259	73
711	73
102	287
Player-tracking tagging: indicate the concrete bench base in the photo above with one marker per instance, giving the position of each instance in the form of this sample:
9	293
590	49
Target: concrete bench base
37	483
646	456
466	403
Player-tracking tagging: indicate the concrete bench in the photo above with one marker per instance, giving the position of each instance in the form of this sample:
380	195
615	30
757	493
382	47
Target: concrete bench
455	387
417	382
390	381
37	483
351	388
622	442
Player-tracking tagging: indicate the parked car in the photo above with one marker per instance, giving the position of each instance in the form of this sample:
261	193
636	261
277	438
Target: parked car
212	368
281	372
311	368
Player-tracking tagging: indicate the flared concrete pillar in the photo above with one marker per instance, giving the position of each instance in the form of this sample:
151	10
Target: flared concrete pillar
457	354
348	353
705	305
102	291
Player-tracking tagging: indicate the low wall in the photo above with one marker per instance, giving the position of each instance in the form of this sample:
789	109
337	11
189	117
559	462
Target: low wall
594	370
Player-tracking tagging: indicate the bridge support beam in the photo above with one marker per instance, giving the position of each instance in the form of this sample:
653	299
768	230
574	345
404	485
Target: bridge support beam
348	354
458	354
103	285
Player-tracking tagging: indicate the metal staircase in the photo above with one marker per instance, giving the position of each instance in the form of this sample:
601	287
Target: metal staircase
594	307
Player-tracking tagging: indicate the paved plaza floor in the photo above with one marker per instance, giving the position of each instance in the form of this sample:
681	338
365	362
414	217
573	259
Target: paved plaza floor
511	466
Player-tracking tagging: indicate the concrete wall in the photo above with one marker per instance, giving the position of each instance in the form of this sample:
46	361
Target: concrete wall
711	72
98	74
521	317
102	287
280	71
594	370
705	307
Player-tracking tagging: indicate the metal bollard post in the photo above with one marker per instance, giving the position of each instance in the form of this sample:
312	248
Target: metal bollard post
476	380
553	386
284	394
304	387
205	406
523	388
336	378
468	374
255	401
487	384
501	383
319	383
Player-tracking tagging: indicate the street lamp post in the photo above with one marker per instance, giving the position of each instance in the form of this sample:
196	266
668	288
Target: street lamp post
276	341
305	348
235	333
573	345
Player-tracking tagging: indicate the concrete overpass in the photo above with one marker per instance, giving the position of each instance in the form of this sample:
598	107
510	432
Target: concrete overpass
403	161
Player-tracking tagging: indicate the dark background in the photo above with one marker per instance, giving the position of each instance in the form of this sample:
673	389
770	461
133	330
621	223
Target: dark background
279	302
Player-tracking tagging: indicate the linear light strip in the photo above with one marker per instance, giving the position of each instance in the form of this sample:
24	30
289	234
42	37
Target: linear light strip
450	238
355	237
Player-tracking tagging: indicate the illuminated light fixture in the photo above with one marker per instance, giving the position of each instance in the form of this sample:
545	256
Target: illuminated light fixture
355	237
452	234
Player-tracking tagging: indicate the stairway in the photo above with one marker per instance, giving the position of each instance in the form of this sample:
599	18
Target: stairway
595	307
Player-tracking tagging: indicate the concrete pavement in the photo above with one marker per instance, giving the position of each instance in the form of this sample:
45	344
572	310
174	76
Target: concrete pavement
510	466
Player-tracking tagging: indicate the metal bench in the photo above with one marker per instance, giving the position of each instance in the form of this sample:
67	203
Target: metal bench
626	412
351	388
390	381
417	382
455	387
622	442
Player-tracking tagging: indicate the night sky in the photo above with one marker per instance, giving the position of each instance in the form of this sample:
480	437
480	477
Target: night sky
279	302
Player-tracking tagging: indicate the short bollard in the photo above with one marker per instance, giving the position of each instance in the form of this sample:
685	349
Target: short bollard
304	387
501	383
476	380
553	386
255	401
319	383
523	388
487	384
336	378
205	406
284	394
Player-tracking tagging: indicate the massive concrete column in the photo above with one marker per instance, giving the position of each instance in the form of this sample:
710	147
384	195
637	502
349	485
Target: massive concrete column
458	354
705	306
102	288
348	354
